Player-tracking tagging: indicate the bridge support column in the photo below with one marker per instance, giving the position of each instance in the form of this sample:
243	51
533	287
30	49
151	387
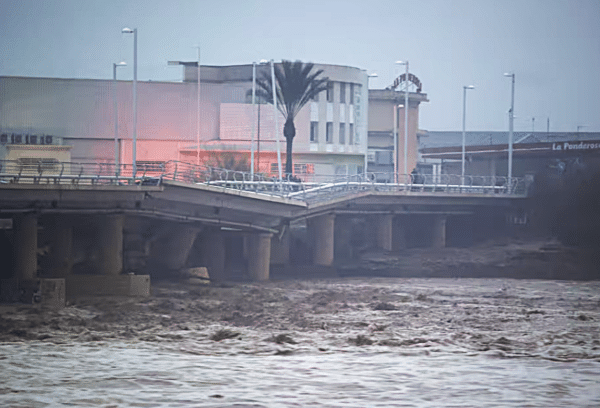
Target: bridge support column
280	249
174	248
343	250
60	232
213	251
110	240
439	232
259	256
25	245
323	238
384	231
399	233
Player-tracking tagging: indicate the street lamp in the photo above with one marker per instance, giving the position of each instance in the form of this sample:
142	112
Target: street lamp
134	32
275	118
198	113
463	131
511	120
405	119
262	62
369	76
117	165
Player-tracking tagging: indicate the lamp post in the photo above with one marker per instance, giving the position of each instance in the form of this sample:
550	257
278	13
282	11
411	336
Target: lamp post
262	62
511	120
198	114
405	119
134	32
369	76
275	119
115	66
464	134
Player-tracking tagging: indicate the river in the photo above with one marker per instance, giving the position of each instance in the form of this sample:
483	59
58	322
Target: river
322	343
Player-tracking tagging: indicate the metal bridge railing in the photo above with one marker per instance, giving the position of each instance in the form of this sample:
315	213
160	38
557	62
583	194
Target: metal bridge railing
319	188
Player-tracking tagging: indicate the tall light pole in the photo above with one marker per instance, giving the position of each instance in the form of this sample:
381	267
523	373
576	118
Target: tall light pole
253	118
198	114
115	66
464	133
511	120
369	76
275	118
405	118
134	32
262	62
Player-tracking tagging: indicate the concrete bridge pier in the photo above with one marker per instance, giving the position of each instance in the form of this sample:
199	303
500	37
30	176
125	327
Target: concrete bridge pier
343	249
280	248
25	246
170	251
384	229
213	252
259	256
322	231
110	242
398	233
59	230
439	231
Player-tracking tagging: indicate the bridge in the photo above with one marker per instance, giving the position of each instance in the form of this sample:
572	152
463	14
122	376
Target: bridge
94	220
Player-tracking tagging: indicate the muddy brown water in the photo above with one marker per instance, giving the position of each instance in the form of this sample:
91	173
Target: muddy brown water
354	342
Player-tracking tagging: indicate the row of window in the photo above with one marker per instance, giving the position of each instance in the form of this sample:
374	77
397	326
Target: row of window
314	133
24	139
329	93
299	169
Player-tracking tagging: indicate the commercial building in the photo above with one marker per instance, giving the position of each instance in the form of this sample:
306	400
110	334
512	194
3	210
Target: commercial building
74	119
486	153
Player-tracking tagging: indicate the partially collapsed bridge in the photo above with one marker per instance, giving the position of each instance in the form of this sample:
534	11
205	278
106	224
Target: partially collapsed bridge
94	219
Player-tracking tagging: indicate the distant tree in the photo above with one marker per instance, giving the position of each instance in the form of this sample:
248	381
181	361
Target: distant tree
296	85
228	161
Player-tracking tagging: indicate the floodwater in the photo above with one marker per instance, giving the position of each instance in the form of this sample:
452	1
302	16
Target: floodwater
322	343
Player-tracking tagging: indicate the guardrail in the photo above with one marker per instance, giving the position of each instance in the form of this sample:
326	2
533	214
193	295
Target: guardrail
319	188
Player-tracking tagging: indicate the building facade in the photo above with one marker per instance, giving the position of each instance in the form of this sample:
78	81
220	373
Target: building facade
79	116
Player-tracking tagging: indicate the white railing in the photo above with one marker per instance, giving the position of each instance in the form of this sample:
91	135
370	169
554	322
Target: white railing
319	188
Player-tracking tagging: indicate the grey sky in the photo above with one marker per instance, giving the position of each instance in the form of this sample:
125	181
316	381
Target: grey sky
552	46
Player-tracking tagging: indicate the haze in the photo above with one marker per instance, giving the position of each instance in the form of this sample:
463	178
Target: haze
553	47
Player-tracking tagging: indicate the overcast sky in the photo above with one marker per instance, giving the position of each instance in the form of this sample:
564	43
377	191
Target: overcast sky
553	47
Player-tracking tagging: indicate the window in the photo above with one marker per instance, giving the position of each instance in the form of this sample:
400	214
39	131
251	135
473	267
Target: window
329	133
304	168
314	131
329	91
316	97
351	133
342	92
342	133
275	169
351	94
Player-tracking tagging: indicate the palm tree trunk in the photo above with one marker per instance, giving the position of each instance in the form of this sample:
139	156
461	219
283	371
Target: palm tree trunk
289	131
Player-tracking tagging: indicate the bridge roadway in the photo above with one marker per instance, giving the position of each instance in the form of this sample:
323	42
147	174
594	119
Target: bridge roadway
111	225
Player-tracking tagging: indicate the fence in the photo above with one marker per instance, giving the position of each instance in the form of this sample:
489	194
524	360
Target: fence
320	188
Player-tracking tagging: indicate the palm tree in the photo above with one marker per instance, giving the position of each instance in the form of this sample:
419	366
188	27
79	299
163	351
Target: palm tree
296	85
